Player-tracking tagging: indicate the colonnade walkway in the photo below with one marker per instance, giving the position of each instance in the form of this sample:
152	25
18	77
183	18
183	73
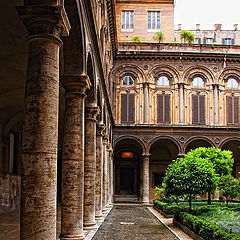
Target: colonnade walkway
123	222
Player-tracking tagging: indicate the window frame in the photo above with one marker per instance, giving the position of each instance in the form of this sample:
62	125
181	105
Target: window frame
199	77
130	17
156	18
163	86
232	88
209	38
127	85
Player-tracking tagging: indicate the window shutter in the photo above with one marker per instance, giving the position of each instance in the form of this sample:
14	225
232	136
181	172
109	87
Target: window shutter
236	110
202	109
195	109
223	41
229	110
204	40
159	108
131	108
233	42
124	108
167	108
200	40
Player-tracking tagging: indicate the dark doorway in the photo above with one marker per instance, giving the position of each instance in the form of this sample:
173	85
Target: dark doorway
126	181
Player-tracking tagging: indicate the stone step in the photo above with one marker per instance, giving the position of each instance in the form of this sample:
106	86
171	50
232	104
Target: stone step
126	198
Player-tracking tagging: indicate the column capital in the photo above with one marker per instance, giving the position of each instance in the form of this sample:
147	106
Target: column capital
92	112
181	84
75	84
181	155
45	21
146	155
216	85
105	138
145	84
100	129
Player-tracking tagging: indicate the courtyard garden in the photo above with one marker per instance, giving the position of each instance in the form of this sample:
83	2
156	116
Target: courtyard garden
201	172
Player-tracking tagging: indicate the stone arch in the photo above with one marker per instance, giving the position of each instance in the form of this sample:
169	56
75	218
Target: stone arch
134	71
202	71
233	144
229	72
169	138
167	70
195	142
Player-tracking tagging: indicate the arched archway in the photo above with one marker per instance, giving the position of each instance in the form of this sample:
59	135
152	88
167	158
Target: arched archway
234	147
127	175
199	142
162	152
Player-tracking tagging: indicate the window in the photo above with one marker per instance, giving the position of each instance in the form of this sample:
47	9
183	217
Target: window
232	83
208	40
127	108
198	109
197	41
232	110
153	21
228	41
163	108
198	82
127	81
163	81
158	179
127	21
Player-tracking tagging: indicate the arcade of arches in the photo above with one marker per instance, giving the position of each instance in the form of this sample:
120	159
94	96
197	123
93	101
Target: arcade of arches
62	140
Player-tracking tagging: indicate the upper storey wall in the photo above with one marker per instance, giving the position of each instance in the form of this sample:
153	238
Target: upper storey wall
140	18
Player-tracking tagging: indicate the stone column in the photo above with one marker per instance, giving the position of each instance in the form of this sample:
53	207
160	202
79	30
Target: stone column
99	170
104	190
181	103
145	192
73	157
40	130
146	104
215	96
90	166
109	171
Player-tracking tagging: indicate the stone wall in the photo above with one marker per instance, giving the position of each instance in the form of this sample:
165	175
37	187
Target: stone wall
9	192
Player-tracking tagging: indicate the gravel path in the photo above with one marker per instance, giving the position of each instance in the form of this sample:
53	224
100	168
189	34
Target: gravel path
126	222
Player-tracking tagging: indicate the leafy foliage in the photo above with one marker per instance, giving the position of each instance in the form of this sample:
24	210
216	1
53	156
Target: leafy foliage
159	36
190	175
230	187
187	36
136	39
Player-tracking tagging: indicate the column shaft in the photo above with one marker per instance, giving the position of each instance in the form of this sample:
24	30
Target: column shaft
215	104
73	158
40	130
99	171
146	105
90	166
181	102
104	190
145	197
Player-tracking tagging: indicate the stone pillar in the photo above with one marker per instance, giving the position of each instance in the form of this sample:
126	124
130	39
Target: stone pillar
73	157
215	96
109	171
145	192
181	103
146	104
99	170
90	166
40	130
104	190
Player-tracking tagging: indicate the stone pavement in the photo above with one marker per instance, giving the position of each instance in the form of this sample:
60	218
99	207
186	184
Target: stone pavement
132	222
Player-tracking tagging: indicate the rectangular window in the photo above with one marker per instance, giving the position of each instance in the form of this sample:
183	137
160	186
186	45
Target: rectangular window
209	40
197	41
163	108
153	21
232	110
127	108
127	21
198	109
227	41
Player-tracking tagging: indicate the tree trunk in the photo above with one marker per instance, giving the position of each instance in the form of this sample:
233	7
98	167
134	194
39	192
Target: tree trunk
209	198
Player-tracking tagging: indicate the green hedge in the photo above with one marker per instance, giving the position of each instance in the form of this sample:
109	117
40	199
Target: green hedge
203	228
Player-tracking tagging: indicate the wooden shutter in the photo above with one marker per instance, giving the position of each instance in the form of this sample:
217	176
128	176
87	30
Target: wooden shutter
233	42
236	110
202	109
167	108
131	108
124	108
159	108
195	109
229	110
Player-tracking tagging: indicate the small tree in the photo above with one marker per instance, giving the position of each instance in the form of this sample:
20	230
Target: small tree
190	175
187	36
136	39
159	36
230	187
222	161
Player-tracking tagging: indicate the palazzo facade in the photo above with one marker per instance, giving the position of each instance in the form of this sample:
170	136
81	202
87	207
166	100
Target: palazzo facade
88	117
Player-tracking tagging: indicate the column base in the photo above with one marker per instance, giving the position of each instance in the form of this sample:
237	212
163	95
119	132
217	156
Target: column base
104	210
98	215
89	226
71	237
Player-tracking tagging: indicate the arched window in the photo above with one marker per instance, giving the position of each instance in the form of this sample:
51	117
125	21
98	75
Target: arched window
232	83
198	82
128	81
163	81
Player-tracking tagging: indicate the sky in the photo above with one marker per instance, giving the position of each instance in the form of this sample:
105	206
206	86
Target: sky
207	13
